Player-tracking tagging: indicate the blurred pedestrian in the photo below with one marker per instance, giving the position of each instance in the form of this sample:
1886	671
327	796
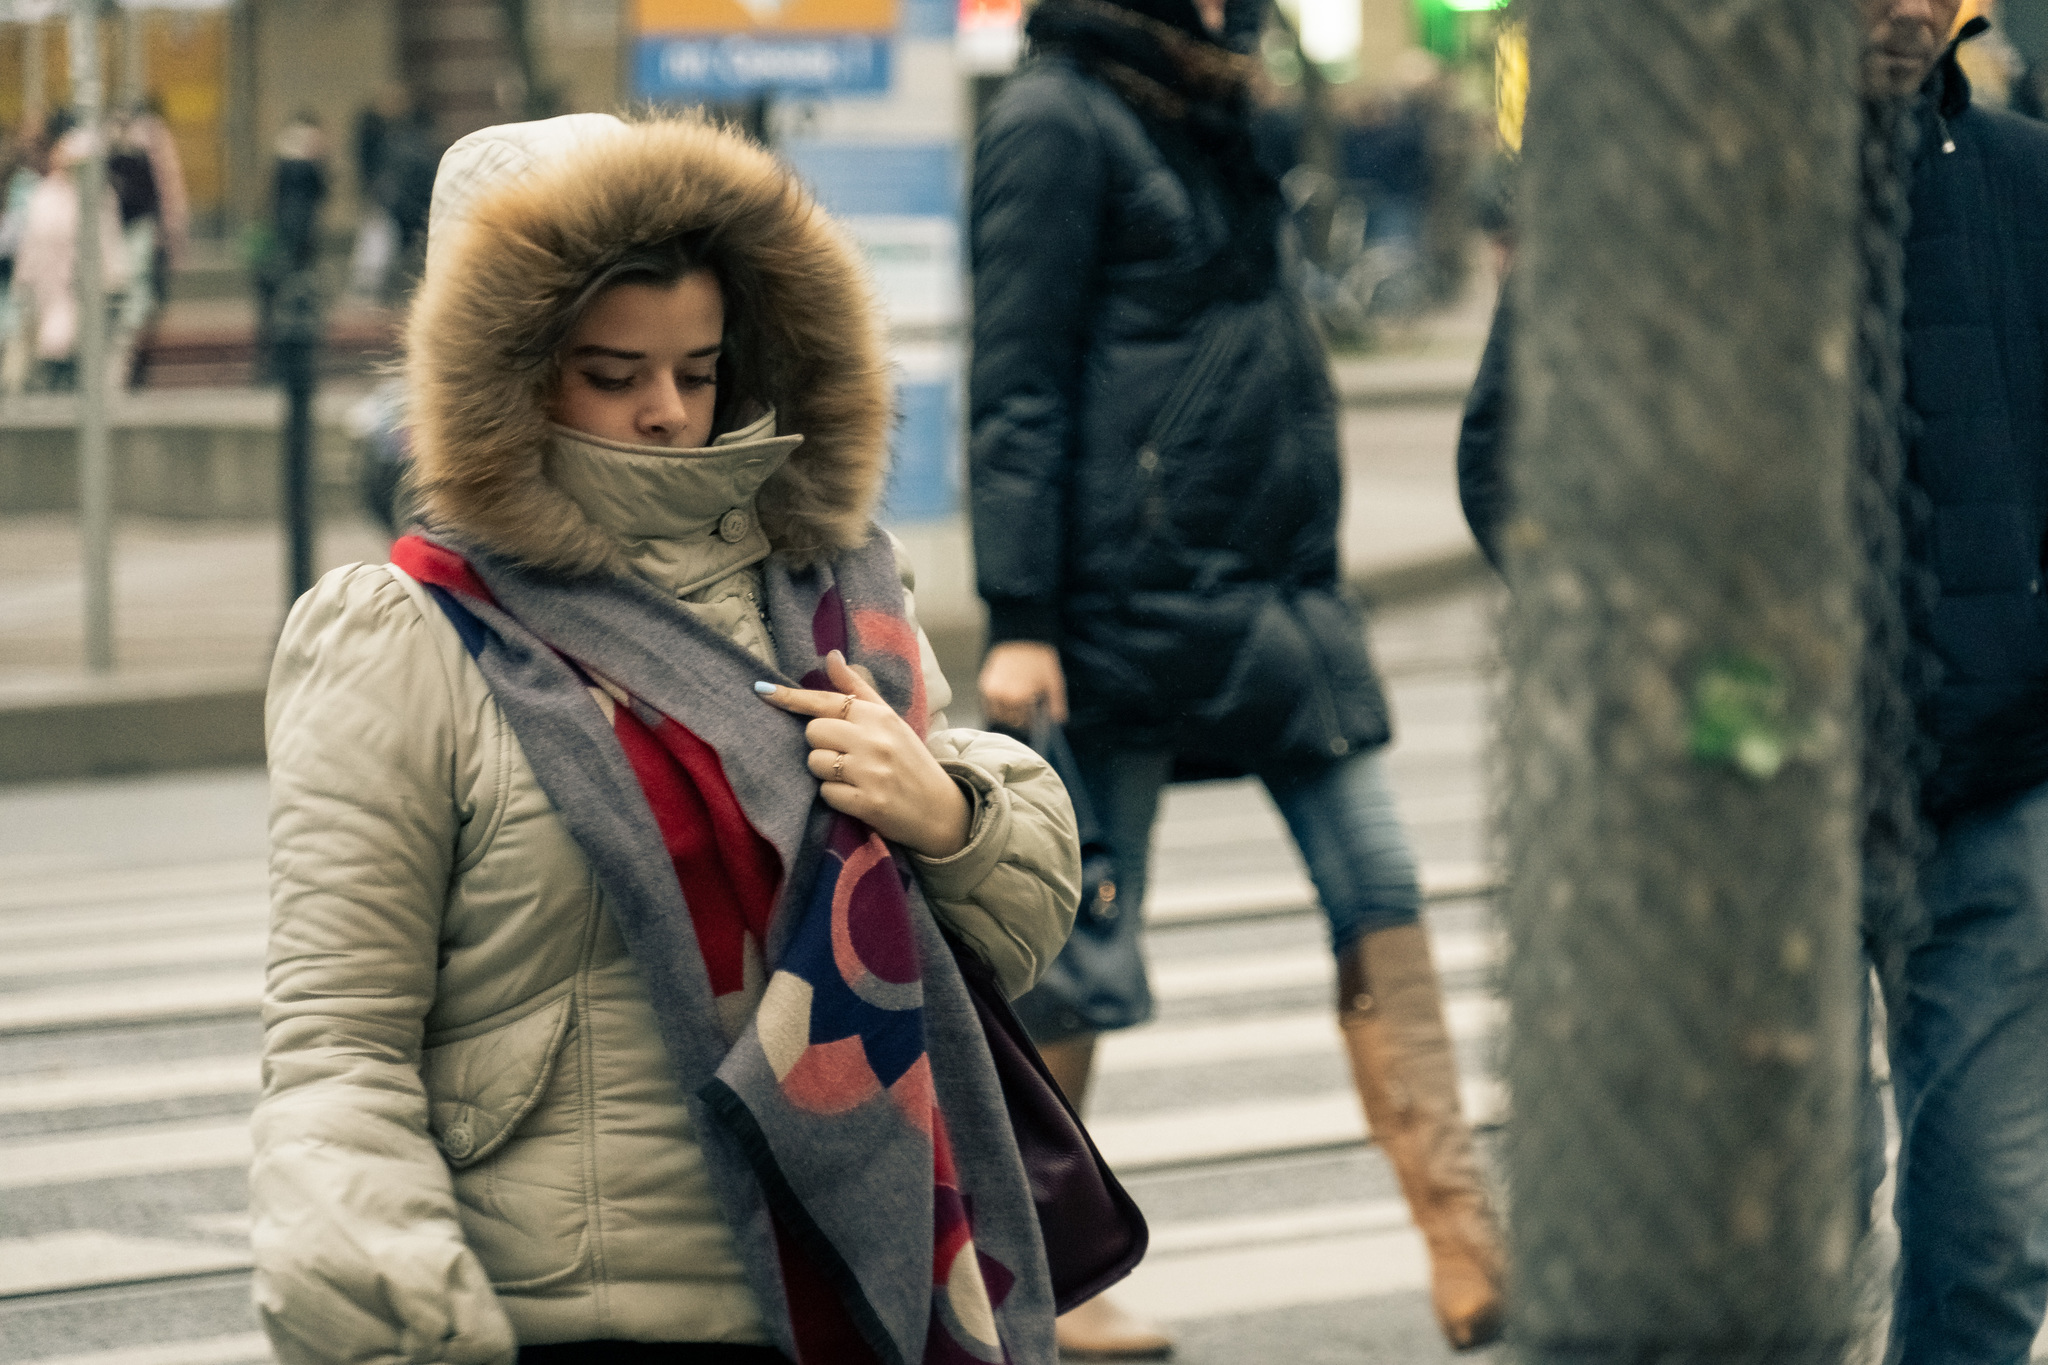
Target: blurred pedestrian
376	248
18	176
1968	1021
298	189
398	152
148	183
1156	483
46	263
562	894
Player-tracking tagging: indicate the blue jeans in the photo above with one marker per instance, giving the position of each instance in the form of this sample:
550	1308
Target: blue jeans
1970	1076
1343	821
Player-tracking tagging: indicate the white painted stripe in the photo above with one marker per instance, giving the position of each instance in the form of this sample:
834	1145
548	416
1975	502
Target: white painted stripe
1265	1229
83	1258
132	1002
1219	1132
142	883
188	951
1325	1270
1194	978
1257	823
1231	1132
242	1349
153	920
78	1088
144	1149
1471	1015
1213	898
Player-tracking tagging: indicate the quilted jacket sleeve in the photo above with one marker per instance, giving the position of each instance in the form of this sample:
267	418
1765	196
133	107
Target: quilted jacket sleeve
1012	892
1040	180
359	1255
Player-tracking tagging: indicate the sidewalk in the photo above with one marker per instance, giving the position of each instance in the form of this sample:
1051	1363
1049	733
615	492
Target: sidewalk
198	603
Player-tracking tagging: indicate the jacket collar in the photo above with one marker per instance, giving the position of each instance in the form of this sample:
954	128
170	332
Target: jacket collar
1946	84
683	519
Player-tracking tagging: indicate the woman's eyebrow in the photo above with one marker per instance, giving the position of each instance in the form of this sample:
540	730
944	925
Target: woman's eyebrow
613	353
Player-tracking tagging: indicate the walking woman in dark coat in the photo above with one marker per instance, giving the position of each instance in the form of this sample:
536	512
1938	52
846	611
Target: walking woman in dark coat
1156	486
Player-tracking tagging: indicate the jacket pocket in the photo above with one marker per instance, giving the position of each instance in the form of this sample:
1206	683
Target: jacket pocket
480	1087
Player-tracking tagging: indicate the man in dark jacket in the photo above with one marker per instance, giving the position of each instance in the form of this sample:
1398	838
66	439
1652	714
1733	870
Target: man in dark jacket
1969	1030
1156	485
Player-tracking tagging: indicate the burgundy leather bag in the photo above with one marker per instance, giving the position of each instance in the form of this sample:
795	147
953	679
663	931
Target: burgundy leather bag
1093	1231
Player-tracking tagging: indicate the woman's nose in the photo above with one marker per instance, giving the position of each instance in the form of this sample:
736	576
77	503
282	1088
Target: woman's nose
663	414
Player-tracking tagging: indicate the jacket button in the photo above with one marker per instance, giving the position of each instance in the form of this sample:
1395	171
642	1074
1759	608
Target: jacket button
1340	746
458	1141
2035	587
732	527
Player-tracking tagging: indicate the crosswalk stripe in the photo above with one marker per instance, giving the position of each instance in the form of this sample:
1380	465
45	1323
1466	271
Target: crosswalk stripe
1290	1275
223	992
87	1257
187	950
1226	898
141	883
88	1086
1195	1136
152	920
131	1002
141	1149
1263	1229
1455	952
1471	1015
240	1349
1237	828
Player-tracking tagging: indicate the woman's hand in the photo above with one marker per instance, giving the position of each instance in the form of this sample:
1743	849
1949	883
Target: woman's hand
873	765
1019	675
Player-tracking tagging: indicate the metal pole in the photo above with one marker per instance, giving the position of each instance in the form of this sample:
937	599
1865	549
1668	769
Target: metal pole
95	464
134	76
1680	732
295	344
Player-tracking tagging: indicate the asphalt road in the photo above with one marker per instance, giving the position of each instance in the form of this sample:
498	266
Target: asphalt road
131	928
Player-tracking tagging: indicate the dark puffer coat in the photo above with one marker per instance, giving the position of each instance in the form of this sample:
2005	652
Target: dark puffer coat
1977	387
1155	468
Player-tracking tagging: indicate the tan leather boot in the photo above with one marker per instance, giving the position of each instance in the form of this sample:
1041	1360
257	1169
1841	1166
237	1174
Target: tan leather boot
1407	1075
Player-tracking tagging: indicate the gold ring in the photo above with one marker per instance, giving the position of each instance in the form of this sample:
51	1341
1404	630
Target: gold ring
839	769
847	709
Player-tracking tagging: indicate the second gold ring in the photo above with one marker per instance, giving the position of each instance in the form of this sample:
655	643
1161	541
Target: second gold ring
839	769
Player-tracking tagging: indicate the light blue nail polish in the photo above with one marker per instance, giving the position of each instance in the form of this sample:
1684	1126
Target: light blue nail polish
765	688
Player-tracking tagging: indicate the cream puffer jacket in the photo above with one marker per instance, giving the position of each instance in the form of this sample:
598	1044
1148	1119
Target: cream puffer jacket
466	1108
469	1135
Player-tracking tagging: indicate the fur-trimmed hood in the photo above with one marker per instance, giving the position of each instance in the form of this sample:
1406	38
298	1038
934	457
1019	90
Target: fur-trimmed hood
524	215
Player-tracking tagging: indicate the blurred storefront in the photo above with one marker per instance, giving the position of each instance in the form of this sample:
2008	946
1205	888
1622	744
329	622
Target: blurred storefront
229	74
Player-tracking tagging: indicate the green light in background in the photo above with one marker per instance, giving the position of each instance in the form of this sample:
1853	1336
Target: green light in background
1473	6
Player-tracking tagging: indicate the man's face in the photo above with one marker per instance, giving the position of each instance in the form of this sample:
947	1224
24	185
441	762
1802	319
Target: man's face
1902	39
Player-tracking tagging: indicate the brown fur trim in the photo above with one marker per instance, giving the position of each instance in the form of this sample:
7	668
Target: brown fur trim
480	431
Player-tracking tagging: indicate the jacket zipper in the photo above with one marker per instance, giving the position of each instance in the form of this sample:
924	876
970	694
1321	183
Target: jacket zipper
1320	685
1948	143
1200	370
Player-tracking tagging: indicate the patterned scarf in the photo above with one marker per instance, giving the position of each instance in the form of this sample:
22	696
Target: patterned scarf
815	1016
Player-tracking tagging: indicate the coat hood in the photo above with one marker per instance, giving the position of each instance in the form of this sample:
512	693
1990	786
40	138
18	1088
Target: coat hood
524	216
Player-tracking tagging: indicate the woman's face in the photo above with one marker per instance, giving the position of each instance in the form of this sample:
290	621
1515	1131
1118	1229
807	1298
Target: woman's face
641	367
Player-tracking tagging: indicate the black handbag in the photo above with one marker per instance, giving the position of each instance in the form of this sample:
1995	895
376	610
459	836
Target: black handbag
1092	1229
1097	983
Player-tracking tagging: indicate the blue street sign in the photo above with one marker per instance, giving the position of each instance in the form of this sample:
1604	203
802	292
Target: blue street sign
737	65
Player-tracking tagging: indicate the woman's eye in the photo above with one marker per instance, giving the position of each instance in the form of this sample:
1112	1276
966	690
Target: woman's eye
607	384
697	381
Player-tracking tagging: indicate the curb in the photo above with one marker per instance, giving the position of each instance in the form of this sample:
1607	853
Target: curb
150	723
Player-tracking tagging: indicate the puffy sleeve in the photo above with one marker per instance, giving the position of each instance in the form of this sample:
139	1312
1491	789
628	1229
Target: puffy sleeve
1012	892
359	1254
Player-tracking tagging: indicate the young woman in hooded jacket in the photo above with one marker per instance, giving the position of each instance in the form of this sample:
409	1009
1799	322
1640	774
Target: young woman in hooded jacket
618	851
